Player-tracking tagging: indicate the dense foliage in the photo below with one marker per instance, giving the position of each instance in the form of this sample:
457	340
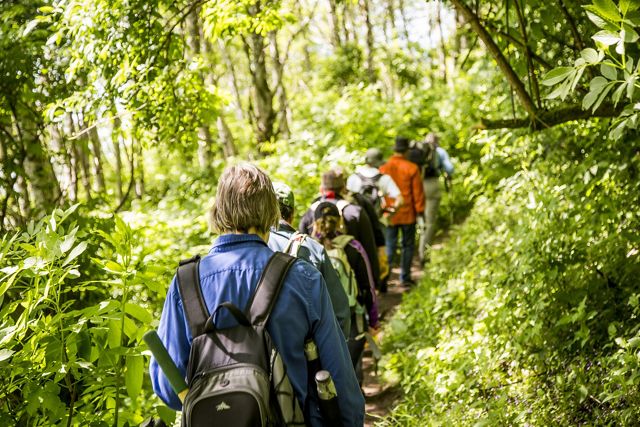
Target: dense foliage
530	313
116	117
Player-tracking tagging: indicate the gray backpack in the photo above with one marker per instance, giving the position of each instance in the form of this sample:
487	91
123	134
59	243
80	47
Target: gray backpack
236	375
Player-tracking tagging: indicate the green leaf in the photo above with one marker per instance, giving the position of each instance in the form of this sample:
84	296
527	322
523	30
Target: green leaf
603	95
556	75
628	34
5	353
607	9
634	342
134	375
30	26
609	71
590	55
138	312
597	83
596	87
605	37
115	334
631	86
617	94
629	6
45	9
583	392
75	252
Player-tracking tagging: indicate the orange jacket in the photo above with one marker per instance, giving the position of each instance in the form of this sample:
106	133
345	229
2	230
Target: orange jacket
407	176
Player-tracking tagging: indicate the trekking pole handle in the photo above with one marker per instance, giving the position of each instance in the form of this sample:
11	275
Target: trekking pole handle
329	408
166	363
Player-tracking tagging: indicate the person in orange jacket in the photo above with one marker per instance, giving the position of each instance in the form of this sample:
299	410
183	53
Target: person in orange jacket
407	176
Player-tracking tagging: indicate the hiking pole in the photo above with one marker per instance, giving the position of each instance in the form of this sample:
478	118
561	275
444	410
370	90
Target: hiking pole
166	363
328	399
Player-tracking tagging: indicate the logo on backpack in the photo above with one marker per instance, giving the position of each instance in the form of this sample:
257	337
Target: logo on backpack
222	406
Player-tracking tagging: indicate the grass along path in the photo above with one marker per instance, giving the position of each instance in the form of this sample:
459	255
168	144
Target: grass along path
380	397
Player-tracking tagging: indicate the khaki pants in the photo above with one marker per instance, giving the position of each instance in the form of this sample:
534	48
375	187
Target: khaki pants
432	196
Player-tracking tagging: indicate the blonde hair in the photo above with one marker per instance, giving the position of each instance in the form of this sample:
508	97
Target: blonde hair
245	199
325	229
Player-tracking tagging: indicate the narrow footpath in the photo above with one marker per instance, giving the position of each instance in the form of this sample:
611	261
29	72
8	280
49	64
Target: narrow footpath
379	397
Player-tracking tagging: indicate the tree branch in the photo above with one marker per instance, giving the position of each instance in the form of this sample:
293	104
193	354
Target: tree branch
572	23
533	81
497	55
554	117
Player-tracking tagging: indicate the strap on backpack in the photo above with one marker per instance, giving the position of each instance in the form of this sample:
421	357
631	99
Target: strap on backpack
264	298
295	243
188	276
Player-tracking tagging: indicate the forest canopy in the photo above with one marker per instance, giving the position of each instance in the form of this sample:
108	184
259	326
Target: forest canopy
117	117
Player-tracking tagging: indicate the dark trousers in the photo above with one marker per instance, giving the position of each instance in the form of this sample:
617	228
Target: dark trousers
408	244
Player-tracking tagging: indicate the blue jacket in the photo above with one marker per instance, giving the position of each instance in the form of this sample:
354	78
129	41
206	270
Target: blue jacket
314	253
230	273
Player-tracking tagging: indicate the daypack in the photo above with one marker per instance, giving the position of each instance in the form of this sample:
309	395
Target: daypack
425	155
236	375
340	263
431	163
371	191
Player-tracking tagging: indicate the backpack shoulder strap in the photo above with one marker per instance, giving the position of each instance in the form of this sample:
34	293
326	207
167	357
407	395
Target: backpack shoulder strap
342	240
266	294
341	204
195	309
295	243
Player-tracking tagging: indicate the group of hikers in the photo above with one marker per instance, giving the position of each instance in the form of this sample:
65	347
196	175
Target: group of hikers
314	305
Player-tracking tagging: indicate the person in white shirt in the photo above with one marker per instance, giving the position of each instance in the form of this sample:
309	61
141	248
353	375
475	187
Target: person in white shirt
383	194
385	184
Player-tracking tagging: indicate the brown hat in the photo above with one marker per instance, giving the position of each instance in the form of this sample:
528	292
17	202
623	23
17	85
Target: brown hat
333	180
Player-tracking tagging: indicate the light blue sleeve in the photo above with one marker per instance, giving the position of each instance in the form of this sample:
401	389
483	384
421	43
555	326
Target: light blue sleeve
445	161
175	335
334	357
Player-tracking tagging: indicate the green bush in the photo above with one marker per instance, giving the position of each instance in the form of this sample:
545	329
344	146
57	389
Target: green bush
528	314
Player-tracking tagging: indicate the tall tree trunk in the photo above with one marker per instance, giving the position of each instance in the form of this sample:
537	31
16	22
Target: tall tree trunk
403	15
346	34
139	171
371	72
42	182
391	18
241	114
443	45
196	49
531	71
115	139
83	151
96	149
263	96
72	158
281	93
226	138
60	159
336	39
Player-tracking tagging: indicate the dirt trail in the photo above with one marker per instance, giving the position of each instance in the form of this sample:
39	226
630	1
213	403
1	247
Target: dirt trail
379	397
